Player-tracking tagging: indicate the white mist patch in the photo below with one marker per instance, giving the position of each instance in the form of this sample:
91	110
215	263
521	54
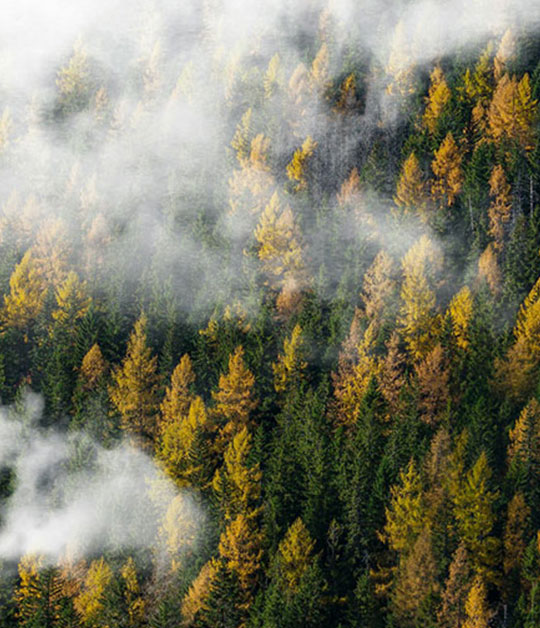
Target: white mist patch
72	495
140	172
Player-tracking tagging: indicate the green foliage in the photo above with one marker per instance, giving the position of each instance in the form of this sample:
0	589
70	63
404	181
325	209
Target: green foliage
330	276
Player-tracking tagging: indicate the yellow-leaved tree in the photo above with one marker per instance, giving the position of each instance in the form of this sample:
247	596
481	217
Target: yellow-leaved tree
93	368
524	445
352	380
513	112
90	603
237	484
432	376
73	81
290	364
517	372
280	252
320	71
446	167
347	100
132	594
505	53
272	77
406	515
476	607
489	269
456	590
416	582
411	194
252	183
378	287
400	67
418	319
134	391
72	300
179	531
179	394
26	297
474	512
241	554
297	167
438	97
499	211
295	553
194	601
515	533
242	137
234	399
460	312
177	439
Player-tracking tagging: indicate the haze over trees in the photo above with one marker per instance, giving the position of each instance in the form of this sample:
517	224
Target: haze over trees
278	274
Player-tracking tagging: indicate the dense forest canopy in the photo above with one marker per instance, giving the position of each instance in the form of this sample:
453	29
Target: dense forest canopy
270	314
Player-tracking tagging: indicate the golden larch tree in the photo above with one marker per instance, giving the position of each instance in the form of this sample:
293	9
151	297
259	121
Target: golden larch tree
474	512
272	77
252	183
456	590
198	593
72	300
432	376
295	553
347	100
179	394
499	211
90	602
279	245
176	439
418	320
352	380
320	71
179	531
438	97
460	312
28	594
391	377
411	194
515	533
513	112
241	553
406	514
237	484
133	595
524	445
290	364
517	373
378	287
489	269
400	67
297	167
241	140
93	368
52	250
350	193
505	53
27	292
478	614
73	80
446	167
416	581
234	399
134	391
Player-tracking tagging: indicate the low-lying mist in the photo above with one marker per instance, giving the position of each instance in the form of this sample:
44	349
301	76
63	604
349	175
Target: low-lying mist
70	496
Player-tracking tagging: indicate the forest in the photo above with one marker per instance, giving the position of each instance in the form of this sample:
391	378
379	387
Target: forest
270	314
